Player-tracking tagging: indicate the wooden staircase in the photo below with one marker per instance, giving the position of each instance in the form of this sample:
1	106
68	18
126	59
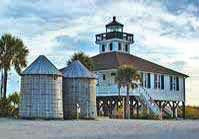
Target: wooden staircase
168	110
148	101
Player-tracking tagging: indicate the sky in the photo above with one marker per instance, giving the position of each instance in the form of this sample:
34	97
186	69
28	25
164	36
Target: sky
166	31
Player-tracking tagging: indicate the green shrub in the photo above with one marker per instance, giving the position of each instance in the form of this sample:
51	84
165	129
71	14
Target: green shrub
145	114
9	107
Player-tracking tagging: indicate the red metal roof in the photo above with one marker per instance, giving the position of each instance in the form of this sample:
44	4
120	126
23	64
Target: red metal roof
112	60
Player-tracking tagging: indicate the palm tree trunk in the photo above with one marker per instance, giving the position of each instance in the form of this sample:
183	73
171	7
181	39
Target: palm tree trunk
119	86
127	115
118	97
5	83
1	87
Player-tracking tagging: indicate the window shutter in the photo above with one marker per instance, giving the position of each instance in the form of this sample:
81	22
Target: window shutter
177	83
171	83
155	81
103	48
149	80
162	81
104	77
142	78
119	46
126	47
111	46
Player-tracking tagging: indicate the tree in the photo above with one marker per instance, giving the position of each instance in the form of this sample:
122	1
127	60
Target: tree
13	53
125	76
84	59
1	84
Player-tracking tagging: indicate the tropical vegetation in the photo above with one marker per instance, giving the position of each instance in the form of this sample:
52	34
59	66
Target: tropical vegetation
9	107
125	76
13	53
83	58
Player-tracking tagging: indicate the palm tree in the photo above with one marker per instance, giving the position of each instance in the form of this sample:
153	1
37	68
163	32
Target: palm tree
1	84
124	77
13	52
84	59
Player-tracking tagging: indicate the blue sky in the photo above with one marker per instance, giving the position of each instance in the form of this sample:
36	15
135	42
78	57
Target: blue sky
166	31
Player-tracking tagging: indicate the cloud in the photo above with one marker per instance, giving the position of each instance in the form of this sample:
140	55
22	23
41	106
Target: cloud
194	58
77	43
179	64
166	32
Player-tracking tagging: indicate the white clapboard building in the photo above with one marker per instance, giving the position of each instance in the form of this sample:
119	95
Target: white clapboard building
162	90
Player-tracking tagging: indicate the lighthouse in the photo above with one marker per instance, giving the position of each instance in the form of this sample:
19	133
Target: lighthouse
114	39
161	84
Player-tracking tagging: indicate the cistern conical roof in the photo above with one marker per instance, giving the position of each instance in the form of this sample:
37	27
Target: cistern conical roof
77	70
41	66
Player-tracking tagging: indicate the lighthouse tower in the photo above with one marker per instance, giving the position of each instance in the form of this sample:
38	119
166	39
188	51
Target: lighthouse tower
114	39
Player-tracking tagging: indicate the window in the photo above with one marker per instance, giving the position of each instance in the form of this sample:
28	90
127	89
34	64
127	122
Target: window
146	80
174	83
104	77
119	46
162	81
111	46
156	81
113	74
126	48
103	48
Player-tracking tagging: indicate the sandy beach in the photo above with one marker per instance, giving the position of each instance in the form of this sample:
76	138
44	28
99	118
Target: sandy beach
99	129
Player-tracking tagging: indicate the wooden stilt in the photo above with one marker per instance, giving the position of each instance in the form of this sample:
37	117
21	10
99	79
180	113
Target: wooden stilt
183	110
132	100
110	107
160	106
124	106
173	109
137	110
98	106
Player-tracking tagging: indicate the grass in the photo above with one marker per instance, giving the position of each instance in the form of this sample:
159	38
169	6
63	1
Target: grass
192	112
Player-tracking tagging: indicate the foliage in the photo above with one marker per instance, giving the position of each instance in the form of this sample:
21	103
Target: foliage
146	114
125	76
84	59
14	99
13	53
9	107
192	112
119	113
